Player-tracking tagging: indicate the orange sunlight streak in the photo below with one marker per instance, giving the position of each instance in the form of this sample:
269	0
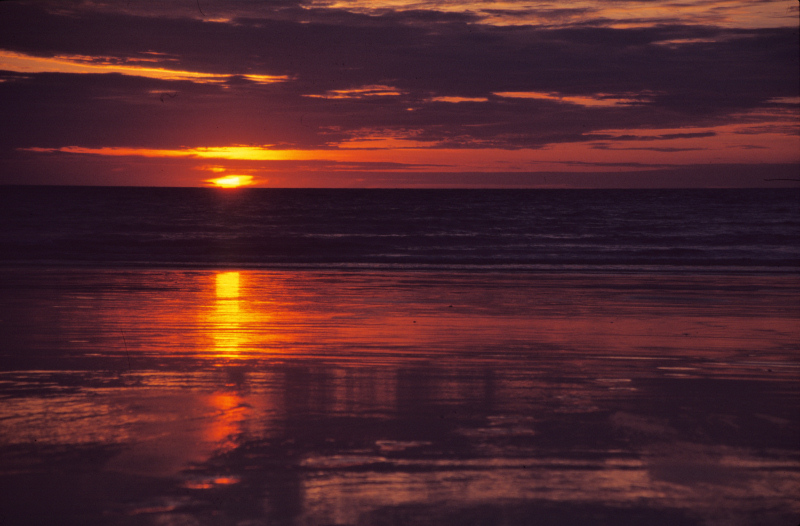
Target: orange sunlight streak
23	63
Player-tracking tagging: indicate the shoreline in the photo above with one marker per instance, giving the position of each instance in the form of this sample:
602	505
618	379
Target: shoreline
577	270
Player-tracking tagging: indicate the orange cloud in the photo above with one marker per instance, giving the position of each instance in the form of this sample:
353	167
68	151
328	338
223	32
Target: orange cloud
724	13
599	99
602	150
456	100
22	63
359	93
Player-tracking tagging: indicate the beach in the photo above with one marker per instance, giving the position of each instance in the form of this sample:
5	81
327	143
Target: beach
241	396
399	263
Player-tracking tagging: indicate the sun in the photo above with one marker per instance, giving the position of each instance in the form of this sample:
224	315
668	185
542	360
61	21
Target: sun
232	181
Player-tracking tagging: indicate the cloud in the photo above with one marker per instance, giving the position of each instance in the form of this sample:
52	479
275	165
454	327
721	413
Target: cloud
80	64
661	137
306	75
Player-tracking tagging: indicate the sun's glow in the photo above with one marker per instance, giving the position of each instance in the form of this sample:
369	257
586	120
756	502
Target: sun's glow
232	181
759	136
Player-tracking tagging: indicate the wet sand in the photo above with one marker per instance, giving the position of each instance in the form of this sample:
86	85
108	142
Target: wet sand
310	397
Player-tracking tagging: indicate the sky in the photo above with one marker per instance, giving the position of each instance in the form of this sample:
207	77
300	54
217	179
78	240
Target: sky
401	93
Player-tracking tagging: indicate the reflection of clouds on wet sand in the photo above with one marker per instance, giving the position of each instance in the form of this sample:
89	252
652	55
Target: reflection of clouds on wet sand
713	488
76	418
712	484
173	430
158	431
633	459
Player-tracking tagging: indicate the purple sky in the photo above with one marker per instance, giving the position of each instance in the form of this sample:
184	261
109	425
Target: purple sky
400	93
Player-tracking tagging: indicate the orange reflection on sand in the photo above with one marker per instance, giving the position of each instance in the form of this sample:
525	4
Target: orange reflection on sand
229	409
227	318
240	324
173	429
210	483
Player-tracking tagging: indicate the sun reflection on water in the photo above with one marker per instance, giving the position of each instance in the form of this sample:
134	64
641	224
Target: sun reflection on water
228	316
228	285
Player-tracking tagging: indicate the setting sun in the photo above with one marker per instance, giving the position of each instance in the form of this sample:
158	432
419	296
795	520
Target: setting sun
232	181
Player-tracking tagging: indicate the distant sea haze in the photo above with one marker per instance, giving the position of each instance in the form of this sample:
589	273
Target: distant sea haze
725	230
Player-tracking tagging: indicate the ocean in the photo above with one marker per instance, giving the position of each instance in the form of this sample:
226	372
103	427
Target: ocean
177	356
725	230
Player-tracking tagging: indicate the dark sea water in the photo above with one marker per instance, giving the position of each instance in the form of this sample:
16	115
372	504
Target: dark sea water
621	230
203	357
